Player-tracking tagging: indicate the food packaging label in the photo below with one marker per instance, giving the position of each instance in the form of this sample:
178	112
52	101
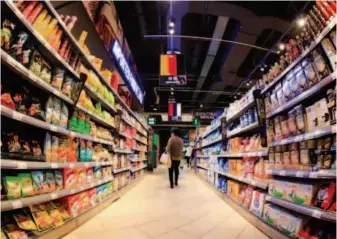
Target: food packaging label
322	112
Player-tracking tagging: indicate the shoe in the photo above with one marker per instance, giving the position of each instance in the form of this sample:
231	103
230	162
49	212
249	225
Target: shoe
176	184
172	186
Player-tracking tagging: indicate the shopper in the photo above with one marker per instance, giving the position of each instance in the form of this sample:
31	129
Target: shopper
175	146
188	154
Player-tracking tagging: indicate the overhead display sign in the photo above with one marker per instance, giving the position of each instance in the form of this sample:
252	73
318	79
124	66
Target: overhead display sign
151	121
126	72
174	110
205	115
196	122
172	70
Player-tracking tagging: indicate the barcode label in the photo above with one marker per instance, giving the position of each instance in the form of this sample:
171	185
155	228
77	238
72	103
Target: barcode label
17	116
316	213
313	175
54	165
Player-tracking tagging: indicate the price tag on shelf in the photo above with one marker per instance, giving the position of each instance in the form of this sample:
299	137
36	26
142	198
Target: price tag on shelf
72	191
92	185
300	174
86	165
54	165
17	116
72	134
54	196
21	165
253	183
316	213
71	165
313	175
53	128
17	204
282	173
81	188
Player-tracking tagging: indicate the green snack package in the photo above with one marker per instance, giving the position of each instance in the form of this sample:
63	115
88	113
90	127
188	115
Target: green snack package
58	179
26	184
73	122
12	187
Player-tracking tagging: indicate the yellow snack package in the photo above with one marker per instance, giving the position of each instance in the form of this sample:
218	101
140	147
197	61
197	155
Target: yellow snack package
24	221
41	217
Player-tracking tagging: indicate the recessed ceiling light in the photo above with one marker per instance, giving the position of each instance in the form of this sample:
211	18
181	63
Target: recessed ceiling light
201	106
281	46
247	84
301	22
155	109
172	88
171	31
262	69
172	93
171	24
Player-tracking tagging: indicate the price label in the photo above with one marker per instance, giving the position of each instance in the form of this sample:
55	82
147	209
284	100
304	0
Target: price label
81	188
316	213
92	185
54	165
72	191
17	204
86	165
53	128
71	165
300	174
54	196
282	173
269	171
313	175
253	183
22	165
72	134
17	116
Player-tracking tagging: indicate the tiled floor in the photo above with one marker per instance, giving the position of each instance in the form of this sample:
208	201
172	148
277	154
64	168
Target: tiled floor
153	210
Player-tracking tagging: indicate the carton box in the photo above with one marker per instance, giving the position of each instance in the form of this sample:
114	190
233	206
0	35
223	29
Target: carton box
278	188
301	193
257	203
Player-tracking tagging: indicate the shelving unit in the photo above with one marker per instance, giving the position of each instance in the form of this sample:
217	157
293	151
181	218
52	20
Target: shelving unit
261	153
119	170
257	183
212	129
238	114
200	166
212	142
321	174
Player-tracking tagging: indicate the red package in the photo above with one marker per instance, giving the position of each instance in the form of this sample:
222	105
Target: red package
69	178
6	100
73	205
92	196
324	12
328	8
115	80
248	197
33	14
81	176
333	5
29	8
325	195
90	175
84	201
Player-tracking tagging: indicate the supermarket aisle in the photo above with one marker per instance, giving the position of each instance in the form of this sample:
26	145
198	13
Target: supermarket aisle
153	210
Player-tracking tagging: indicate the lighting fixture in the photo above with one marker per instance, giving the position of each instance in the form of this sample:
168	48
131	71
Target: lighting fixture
171	24
262	69
301	22
281	46
171	31
201	106
172	89
234	96
247	84
172	93
155	109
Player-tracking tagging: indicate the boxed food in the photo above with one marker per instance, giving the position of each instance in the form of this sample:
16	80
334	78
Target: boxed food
286	87
309	72
92	196
301	193
278	188
294	84
233	190
312	120
319	63
73	204
257	203
302	80
322	113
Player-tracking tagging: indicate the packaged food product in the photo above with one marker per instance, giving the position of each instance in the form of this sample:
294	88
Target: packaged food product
38	181
6	34
63	150
32	15
58	180
57	79
12	186
300	123
84	200
274	101
286	162
292	122
73	205
81	176
284	127
330	51
47	148
322	113
63	212
294	156
280	96
69	177
92	196
56	112
319	63
333	37
271	157
14	232
278	188
54	148
64	116
24	221
301	193
50	179
41	217
97	172
257	203
36	63
325	195
277	128
305	155
286	88
26	184
45	73
309	72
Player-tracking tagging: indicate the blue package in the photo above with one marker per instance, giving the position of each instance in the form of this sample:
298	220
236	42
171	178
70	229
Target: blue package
224	185
225	167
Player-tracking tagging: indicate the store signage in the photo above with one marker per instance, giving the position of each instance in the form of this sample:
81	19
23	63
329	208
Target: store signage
126	72
151	121
172	70
196	122
205	115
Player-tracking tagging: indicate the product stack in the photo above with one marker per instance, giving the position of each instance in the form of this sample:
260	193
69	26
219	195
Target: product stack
278	161
63	138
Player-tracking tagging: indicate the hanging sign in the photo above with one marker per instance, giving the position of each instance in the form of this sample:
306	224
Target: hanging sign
126	72
172	70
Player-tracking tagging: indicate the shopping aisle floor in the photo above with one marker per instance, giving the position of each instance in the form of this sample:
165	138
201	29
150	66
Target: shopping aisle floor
153	210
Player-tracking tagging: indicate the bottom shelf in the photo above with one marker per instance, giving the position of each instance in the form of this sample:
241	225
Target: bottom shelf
256	221
80	219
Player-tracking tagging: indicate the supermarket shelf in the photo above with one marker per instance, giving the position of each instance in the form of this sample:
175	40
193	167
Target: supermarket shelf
141	132
200	166
257	183
125	135
212	142
127	122
43	43
203	156
238	114
119	170
140	141
123	151
306	210
44	125
24	202
31	77
213	128
261	153
242	130
93	94
312	135
137	169
18	164
136	149
138	160
95	117
321	174
255	220
87	62
308	93
304	54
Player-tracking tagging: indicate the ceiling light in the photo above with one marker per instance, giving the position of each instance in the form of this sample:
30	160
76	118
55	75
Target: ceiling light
247	84
155	109
172	93
201	106
262	69
301	22
171	24
281	46
171	31
234	96
172	89
278	52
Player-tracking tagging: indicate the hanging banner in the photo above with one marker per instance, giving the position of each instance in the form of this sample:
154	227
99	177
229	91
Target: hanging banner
172	70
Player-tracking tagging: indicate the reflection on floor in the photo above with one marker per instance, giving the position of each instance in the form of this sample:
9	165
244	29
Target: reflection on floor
153	210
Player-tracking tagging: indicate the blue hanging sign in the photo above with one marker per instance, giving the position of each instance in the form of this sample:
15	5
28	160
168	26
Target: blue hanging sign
126	72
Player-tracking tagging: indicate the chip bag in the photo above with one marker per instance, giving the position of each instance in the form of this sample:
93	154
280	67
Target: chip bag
12	187
24	221
26	184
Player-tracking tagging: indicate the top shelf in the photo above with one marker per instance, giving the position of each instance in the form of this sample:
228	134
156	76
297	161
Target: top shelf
304	54
241	112
213	128
87	62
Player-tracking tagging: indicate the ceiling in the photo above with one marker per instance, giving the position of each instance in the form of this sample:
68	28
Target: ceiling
214	71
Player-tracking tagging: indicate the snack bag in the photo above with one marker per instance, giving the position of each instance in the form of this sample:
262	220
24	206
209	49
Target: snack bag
54	148
90	175
58	179
64	116
69	177
41	217
81	176
24	221
14	232
12	187
26	184
63	212
50	179
67	85
50	109
56	112
54	214
73	205
57	79
39	184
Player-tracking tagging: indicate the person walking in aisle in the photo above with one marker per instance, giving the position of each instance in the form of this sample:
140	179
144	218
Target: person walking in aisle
175	146
188	155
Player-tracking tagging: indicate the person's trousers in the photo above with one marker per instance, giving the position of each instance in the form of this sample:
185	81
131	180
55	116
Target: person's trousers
188	160
174	168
